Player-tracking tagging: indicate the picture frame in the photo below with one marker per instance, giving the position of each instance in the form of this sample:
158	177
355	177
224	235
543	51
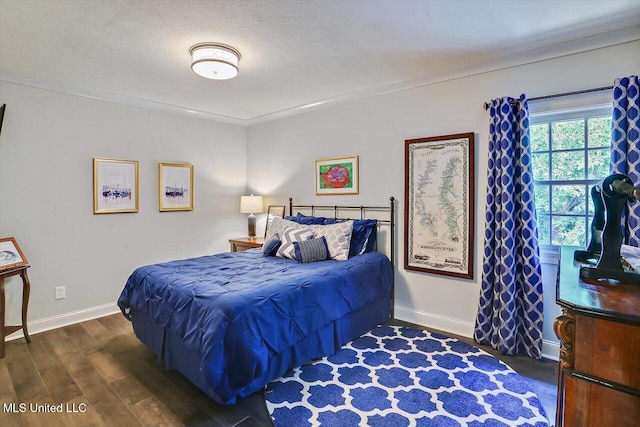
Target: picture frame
439	205
11	255
337	175
175	187
115	186
273	211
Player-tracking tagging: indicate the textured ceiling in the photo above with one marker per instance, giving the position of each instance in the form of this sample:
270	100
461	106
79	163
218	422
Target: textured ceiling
294	53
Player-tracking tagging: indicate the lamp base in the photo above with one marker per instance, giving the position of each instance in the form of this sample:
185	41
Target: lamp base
252	226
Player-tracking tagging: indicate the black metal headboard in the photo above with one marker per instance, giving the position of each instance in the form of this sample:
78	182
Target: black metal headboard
388	211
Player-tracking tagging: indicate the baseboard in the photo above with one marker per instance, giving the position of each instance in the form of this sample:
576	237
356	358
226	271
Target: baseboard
435	321
550	349
54	322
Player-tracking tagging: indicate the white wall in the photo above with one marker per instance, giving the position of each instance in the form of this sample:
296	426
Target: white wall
47	145
282	153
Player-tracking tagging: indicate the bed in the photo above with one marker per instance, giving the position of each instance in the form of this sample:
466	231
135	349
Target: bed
234	321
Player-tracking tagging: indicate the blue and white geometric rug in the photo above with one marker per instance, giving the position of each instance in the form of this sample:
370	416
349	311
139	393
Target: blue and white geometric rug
396	376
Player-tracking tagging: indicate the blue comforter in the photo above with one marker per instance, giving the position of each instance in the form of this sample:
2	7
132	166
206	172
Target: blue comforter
238	309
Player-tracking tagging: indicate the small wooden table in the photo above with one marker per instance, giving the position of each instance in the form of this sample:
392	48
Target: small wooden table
244	243
26	290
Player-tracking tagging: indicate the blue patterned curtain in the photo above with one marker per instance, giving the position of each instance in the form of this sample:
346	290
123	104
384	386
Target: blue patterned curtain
625	144
510	308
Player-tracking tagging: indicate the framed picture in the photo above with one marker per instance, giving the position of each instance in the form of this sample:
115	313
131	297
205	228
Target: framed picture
338	175
272	212
439	205
115	186
175	187
10	254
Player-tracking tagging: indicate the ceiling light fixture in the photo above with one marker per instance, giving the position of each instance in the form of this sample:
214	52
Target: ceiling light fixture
214	61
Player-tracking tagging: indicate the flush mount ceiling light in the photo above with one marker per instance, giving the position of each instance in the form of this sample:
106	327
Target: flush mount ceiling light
214	60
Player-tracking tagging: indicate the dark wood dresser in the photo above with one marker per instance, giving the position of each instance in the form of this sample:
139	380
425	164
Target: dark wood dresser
599	331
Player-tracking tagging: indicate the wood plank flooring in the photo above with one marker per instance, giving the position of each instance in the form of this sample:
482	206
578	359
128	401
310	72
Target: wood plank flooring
100	374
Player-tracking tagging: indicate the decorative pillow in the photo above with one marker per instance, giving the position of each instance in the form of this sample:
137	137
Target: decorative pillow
338	238
311	250
372	240
290	235
306	220
363	237
271	246
278	226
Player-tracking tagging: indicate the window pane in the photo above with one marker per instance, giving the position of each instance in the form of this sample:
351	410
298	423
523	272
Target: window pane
542	198
599	163
599	131
539	135
590	202
568	231
540	163
569	134
543	230
568	165
589	221
569	199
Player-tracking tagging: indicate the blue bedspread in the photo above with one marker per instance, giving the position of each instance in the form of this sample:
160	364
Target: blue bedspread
239	309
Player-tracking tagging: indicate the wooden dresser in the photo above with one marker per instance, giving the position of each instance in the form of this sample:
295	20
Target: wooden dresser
599	331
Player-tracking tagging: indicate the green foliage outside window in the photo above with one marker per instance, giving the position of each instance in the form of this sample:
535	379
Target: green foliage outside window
569	156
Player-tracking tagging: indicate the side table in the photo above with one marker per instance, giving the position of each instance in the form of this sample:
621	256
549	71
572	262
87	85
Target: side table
244	243
26	290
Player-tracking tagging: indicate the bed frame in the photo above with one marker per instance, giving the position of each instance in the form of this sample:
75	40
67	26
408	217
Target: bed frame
174	354
388	213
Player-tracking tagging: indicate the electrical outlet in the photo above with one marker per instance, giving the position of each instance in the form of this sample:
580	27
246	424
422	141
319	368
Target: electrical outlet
61	292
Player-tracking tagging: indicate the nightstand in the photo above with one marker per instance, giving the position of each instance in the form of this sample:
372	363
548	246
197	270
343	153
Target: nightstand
244	243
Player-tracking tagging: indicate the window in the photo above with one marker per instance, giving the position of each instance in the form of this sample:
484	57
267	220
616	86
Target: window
570	154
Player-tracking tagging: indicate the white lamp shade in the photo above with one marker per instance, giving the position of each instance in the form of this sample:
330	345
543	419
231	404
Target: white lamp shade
214	61
251	204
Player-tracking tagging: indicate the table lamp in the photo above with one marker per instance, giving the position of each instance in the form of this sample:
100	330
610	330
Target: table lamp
251	205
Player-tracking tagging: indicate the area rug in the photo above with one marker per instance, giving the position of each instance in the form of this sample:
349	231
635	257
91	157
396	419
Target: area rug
397	376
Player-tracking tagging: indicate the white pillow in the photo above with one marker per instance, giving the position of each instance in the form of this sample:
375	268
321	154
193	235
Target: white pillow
278	226
338	238
290	235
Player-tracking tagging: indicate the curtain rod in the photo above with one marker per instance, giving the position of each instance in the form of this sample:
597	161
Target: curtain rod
487	105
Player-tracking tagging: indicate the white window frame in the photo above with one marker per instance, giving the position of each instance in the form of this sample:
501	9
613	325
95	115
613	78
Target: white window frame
566	108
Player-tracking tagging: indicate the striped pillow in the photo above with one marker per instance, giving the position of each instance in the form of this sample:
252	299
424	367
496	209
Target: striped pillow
311	250
290	235
277	227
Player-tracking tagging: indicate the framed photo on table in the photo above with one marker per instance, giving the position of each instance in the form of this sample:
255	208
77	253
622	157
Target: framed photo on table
338	175
439	205
115	186
11	255
273	211
175	187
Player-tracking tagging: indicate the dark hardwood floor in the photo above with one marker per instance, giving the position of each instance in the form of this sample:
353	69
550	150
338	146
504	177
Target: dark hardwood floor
99	374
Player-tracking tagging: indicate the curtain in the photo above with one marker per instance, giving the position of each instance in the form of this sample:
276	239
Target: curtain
625	144
510	307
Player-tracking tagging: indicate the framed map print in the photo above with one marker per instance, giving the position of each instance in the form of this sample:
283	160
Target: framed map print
439	205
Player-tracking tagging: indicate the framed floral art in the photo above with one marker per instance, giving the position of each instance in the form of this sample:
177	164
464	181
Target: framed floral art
338	175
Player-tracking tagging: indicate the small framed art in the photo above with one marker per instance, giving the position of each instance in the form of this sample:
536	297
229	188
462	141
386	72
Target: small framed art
175	187
274	211
338	175
10	254
115	186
